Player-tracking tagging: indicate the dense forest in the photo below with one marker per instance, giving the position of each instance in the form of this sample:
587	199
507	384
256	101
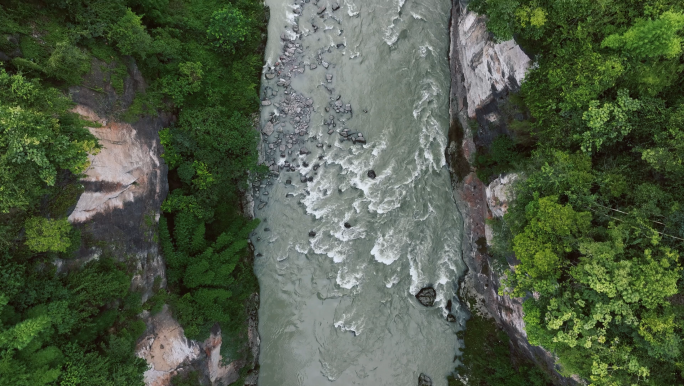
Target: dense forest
597	223
201	60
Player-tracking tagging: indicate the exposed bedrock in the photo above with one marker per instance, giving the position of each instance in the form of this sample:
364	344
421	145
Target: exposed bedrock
483	74
118	213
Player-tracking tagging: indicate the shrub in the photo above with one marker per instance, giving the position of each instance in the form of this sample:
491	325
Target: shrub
228	28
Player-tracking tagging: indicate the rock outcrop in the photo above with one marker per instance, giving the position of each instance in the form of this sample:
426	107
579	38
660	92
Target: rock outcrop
165	348
126	181
169	353
427	296
424	380
118	213
483	73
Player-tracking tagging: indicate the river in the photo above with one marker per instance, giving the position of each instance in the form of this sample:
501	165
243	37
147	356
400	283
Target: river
352	230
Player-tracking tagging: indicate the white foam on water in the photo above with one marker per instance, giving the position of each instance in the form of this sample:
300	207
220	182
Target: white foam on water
336	251
356	326
347	279
392	281
423	50
391	36
387	249
301	249
352	9
417	16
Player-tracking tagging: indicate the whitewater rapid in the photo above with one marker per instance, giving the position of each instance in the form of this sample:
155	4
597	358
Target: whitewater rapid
340	255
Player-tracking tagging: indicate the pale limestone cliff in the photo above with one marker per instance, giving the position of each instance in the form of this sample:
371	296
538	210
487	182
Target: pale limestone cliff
488	67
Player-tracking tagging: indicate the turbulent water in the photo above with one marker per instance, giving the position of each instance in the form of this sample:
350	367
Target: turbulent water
337	300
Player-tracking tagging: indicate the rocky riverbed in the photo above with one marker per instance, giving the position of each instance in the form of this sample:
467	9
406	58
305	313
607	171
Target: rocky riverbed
358	250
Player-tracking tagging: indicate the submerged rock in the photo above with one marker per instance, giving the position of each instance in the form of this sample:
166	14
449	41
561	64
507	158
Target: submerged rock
424	380
427	296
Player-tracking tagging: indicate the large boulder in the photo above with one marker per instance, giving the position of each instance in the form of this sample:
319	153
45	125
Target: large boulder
424	380
427	296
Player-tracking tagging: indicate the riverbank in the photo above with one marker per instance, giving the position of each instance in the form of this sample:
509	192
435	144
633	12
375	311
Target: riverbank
483	76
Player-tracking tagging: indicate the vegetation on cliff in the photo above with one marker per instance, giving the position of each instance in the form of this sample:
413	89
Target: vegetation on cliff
202	61
597	224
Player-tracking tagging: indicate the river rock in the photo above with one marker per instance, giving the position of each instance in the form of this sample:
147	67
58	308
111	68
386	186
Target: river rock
347	225
371	174
424	380
321	10
270	75
312	234
335	6
427	296
268	129
451	318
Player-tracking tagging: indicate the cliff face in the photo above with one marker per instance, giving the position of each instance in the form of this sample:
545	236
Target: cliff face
118	215
483	73
126	181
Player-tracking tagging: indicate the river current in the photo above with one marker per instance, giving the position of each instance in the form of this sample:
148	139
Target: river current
342	251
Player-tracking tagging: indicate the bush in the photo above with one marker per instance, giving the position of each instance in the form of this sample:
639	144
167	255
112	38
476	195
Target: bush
130	35
228	28
43	235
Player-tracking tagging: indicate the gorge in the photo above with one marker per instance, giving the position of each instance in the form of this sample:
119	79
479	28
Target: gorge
358	214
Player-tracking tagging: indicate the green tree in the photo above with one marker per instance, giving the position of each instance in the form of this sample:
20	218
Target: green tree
43	235
130	35
228	28
651	38
34	144
68	62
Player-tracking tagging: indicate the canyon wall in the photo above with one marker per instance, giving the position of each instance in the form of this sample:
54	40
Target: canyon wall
483	75
118	215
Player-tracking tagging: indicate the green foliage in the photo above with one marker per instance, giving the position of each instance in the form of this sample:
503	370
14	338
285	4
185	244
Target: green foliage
186	82
486	359
552	232
67	62
608	124
34	144
651	38
228	28
201	61
207	275
44	234
130	35
499	158
597	220
57	328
